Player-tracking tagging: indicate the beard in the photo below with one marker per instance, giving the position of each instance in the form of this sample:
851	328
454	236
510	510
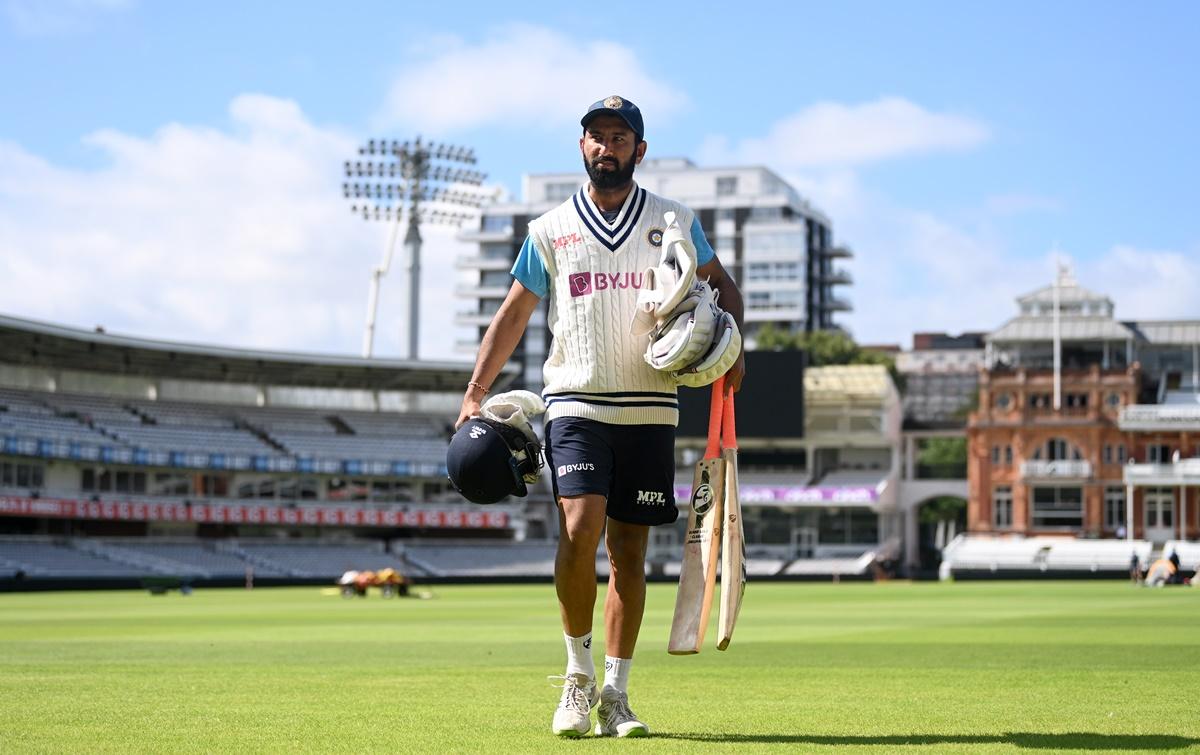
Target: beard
610	179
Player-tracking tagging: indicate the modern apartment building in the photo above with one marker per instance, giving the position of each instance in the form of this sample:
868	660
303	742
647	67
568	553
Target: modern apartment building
1086	424
777	246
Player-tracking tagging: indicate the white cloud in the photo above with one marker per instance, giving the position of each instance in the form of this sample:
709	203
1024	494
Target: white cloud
835	134
1146	284
520	76
233	236
46	17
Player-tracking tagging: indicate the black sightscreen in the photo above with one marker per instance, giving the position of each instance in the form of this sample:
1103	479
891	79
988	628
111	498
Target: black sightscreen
770	404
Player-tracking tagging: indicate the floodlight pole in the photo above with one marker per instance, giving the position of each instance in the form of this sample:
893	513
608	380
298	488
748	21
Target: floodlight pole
412	244
420	180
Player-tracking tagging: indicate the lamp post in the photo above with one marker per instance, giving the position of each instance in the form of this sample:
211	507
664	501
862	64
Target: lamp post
425	182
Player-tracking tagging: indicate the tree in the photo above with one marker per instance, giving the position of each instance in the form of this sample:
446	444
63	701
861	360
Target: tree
825	348
939	451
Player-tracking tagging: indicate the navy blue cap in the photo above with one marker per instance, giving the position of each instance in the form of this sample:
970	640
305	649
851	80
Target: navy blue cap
620	107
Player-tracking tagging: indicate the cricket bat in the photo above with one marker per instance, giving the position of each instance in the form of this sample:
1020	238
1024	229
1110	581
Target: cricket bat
733	541
698	572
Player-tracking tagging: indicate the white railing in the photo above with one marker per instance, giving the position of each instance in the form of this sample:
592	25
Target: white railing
1184	472
1056	469
1159	417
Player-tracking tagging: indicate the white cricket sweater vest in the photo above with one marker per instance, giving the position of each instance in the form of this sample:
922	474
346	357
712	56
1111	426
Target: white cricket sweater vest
595	368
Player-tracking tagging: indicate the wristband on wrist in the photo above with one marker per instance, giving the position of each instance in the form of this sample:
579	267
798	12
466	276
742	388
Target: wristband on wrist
480	386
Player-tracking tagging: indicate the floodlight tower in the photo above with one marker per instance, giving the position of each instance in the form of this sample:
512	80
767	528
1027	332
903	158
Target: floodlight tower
392	180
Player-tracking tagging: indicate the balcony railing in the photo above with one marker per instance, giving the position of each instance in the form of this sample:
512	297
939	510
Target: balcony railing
1056	470
1160	417
1183	472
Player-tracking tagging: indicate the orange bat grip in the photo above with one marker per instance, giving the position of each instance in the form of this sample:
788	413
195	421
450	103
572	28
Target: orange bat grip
715	407
728	431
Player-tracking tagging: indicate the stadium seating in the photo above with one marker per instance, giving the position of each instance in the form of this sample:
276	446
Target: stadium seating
1017	556
46	558
312	560
211	429
1188	552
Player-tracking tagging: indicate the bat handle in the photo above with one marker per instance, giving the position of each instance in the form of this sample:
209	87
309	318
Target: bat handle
728	430
715	411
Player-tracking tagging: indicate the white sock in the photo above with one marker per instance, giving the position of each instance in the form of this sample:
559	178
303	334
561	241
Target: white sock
579	655
616	673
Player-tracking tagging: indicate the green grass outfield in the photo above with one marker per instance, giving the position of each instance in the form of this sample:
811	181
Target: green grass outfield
966	667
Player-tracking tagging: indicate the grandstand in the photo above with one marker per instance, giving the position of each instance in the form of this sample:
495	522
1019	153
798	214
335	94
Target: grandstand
975	556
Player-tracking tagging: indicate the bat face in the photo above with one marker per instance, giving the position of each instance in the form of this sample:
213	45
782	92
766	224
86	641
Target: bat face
698	570
733	553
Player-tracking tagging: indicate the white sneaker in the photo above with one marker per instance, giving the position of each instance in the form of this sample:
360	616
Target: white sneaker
573	717
615	719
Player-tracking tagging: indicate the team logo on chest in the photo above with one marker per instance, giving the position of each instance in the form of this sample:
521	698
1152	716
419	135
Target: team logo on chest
655	237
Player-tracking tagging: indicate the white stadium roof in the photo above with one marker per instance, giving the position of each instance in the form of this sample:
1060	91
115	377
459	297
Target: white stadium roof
38	344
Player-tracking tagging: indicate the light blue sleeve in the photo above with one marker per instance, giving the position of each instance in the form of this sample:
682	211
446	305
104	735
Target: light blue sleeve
530	271
704	250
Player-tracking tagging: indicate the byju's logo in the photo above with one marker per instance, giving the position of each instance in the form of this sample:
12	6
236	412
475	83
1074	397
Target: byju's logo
565	469
652	498
478	432
586	283
581	284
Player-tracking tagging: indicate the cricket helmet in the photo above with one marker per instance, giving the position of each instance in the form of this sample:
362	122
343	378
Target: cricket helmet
489	460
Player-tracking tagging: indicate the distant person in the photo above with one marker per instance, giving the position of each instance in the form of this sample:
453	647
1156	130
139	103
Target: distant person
610	437
1177	574
1161	572
1135	569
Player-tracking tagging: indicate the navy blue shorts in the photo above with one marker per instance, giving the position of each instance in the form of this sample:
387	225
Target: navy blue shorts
633	466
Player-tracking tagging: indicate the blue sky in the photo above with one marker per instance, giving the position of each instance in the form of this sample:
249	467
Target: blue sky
171	169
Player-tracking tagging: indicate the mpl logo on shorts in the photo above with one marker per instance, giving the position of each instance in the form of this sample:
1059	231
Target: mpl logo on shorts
652	498
565	469
586	283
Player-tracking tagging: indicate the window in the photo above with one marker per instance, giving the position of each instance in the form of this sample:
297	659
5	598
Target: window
1002	514
996	455
22	475
766	213
1008	456
1076	400
1121	453
1158	453
1114	507
495	279
1159	504
1058	508
1113	399
501	251
726	186
1003	401
1108	454
1039	401
497	223
559	191
1057	449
